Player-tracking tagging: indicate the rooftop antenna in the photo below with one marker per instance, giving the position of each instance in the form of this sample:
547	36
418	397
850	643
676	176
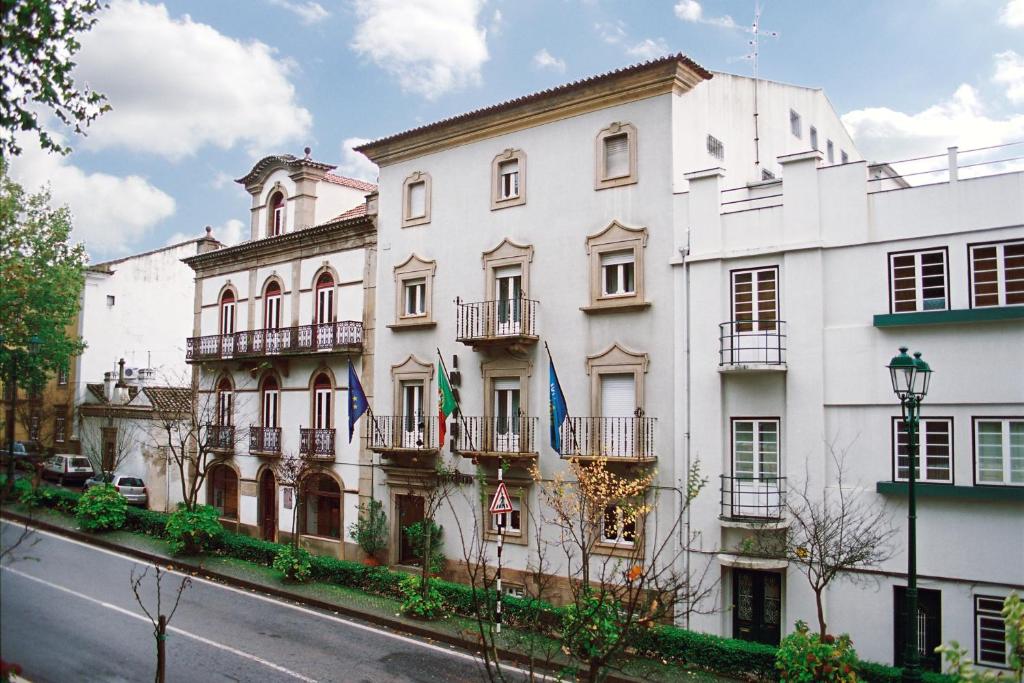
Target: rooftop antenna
755	43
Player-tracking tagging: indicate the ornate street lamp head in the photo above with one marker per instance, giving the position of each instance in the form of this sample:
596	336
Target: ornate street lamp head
910	376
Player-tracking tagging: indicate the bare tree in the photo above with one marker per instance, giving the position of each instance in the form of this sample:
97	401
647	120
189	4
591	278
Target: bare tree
831	532
106	455
160	621
24	538
290	471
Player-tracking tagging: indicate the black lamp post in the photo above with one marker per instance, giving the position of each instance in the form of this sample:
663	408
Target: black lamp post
910	380
11	385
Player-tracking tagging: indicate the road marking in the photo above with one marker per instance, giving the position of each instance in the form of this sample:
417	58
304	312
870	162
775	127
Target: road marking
173	629
297	608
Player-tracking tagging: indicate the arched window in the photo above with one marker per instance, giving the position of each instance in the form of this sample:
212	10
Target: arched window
222	491
270	401
272	306
321	507
324	312
322	402
227	312
275	223
225	402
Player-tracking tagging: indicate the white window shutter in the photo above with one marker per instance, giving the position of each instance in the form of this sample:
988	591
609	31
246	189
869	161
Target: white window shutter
618	395
616	151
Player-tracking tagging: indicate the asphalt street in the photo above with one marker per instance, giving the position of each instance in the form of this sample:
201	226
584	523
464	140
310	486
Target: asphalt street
67	613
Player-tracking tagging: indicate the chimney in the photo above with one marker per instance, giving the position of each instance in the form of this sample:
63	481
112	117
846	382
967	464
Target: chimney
122	386
108	385
144	377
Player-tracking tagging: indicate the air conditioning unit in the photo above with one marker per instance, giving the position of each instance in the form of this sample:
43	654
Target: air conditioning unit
131	373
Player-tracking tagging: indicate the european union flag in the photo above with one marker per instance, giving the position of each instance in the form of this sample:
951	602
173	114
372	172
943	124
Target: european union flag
357	403
559	410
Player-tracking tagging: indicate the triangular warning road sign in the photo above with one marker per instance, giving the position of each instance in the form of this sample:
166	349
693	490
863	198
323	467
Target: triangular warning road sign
501	502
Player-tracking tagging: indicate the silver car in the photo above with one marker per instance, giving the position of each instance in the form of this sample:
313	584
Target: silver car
132	488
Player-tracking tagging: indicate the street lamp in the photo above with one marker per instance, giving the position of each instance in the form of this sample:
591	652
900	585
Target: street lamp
11	385
910	380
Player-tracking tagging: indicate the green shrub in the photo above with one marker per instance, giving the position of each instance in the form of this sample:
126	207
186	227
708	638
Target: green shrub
872	672
193	531
294	563
370	530
736	658
247	548
805	657
101	508
590	628
416	604
144	521
417	535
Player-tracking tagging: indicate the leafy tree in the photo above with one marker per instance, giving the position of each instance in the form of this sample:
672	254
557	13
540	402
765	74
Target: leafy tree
38	38
370	530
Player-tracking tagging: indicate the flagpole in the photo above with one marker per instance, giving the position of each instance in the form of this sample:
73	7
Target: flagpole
572	429
458	407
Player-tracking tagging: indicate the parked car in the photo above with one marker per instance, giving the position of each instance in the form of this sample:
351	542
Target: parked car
22	452
132	488
66	468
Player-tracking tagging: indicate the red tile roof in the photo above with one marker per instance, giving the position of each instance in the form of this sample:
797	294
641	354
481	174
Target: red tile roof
351	213
350	182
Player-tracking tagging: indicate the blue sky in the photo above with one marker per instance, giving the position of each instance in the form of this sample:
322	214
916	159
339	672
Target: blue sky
200	89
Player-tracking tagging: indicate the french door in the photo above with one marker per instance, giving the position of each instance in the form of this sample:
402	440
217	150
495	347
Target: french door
324	314
508	288
757	606
272	320
755	468
409	512
271	401
412	415
506	415
618	408
322	408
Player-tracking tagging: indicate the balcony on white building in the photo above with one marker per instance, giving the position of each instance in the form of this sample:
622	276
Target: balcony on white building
752	346
345	336
616	439
503	323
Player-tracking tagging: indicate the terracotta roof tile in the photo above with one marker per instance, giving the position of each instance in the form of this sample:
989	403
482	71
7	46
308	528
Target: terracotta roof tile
359	210
170	399
97	391
350	182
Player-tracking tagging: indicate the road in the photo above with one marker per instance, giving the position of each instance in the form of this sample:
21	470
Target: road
69	615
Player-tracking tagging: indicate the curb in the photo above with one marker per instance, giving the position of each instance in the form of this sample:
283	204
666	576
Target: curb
468	646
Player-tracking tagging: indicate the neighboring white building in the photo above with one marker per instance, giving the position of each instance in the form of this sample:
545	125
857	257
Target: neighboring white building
275	322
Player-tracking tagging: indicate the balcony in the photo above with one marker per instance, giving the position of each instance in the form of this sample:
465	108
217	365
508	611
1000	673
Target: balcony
752	346
398	435
503	323
498	438
625	439
316	444
340	337
265	441
220	438
749	499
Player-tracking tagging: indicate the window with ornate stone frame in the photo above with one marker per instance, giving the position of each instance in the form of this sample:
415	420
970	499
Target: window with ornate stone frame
508	253
508	179
616	240
615	156
414	277
412	369
416	199
519	491
506	368
277	211
616	360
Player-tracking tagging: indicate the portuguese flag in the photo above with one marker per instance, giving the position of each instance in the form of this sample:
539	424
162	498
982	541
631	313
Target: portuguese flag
445	403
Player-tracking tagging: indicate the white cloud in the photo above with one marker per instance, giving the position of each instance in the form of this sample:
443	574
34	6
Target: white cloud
693	12
176	85
648	49
221	180
430	46
355	165
612	33
1013	14
230	233
497	23
545	60
1010	72
307	12
110	213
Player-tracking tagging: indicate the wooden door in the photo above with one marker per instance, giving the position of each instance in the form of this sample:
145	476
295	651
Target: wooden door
268	506
410	511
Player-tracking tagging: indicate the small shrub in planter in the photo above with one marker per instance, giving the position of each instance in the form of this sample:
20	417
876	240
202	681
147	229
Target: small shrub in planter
805	656
415	604
370	530
101	508
294	563
193	531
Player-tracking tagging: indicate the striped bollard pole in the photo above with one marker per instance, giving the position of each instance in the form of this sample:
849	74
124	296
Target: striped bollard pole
501	529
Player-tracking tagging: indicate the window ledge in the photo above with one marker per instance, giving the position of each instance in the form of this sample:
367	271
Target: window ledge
612	306
963	315
414	325
928	490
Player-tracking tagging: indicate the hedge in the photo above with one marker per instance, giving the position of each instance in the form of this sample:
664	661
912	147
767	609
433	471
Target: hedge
705	651
881	673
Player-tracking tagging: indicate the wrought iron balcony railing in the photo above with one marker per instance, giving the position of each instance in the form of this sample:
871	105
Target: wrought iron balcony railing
752	342
316	443
220	437
753	498
615	438
505	320
266	440
346	335
489	436
397	433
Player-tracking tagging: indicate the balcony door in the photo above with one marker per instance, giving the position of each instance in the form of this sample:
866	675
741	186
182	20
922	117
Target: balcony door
506	415
508	288
755	316
272	317
412	415
324	313
322	402
224	403
755	468
618	408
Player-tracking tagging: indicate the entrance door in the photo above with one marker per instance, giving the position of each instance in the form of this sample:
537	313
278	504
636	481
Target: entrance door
410	511
268	506
929	626
757	606
618	406
412	415
506	415
508	285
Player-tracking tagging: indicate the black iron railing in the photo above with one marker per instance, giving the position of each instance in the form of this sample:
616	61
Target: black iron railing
346	335
609	437
265	440
316	443
509	318
760	498
402	432
220	437
753	342
489	434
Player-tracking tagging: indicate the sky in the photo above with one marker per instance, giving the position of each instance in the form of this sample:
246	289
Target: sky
201	89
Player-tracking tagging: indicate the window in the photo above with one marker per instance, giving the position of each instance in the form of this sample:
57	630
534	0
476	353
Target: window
110	299
918	281
991	647
934	442
322	402
272	306
225	400
516	590
997	274
223	491
508	179
512	521
62	376
59	428
814	138
416	199
324	312
830	152
755	300
619	526
413	292
616	156
755	449
767	175
33	426
999	451
794	123
227	313
415	297
616	267
716	148
410	389
275	221
321	510
844	157
616	402
270	398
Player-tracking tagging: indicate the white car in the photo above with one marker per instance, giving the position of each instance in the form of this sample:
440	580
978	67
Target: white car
132	488
66	468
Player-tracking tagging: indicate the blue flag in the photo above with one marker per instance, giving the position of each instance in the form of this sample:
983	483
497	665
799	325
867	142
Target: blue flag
559	410
357	403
